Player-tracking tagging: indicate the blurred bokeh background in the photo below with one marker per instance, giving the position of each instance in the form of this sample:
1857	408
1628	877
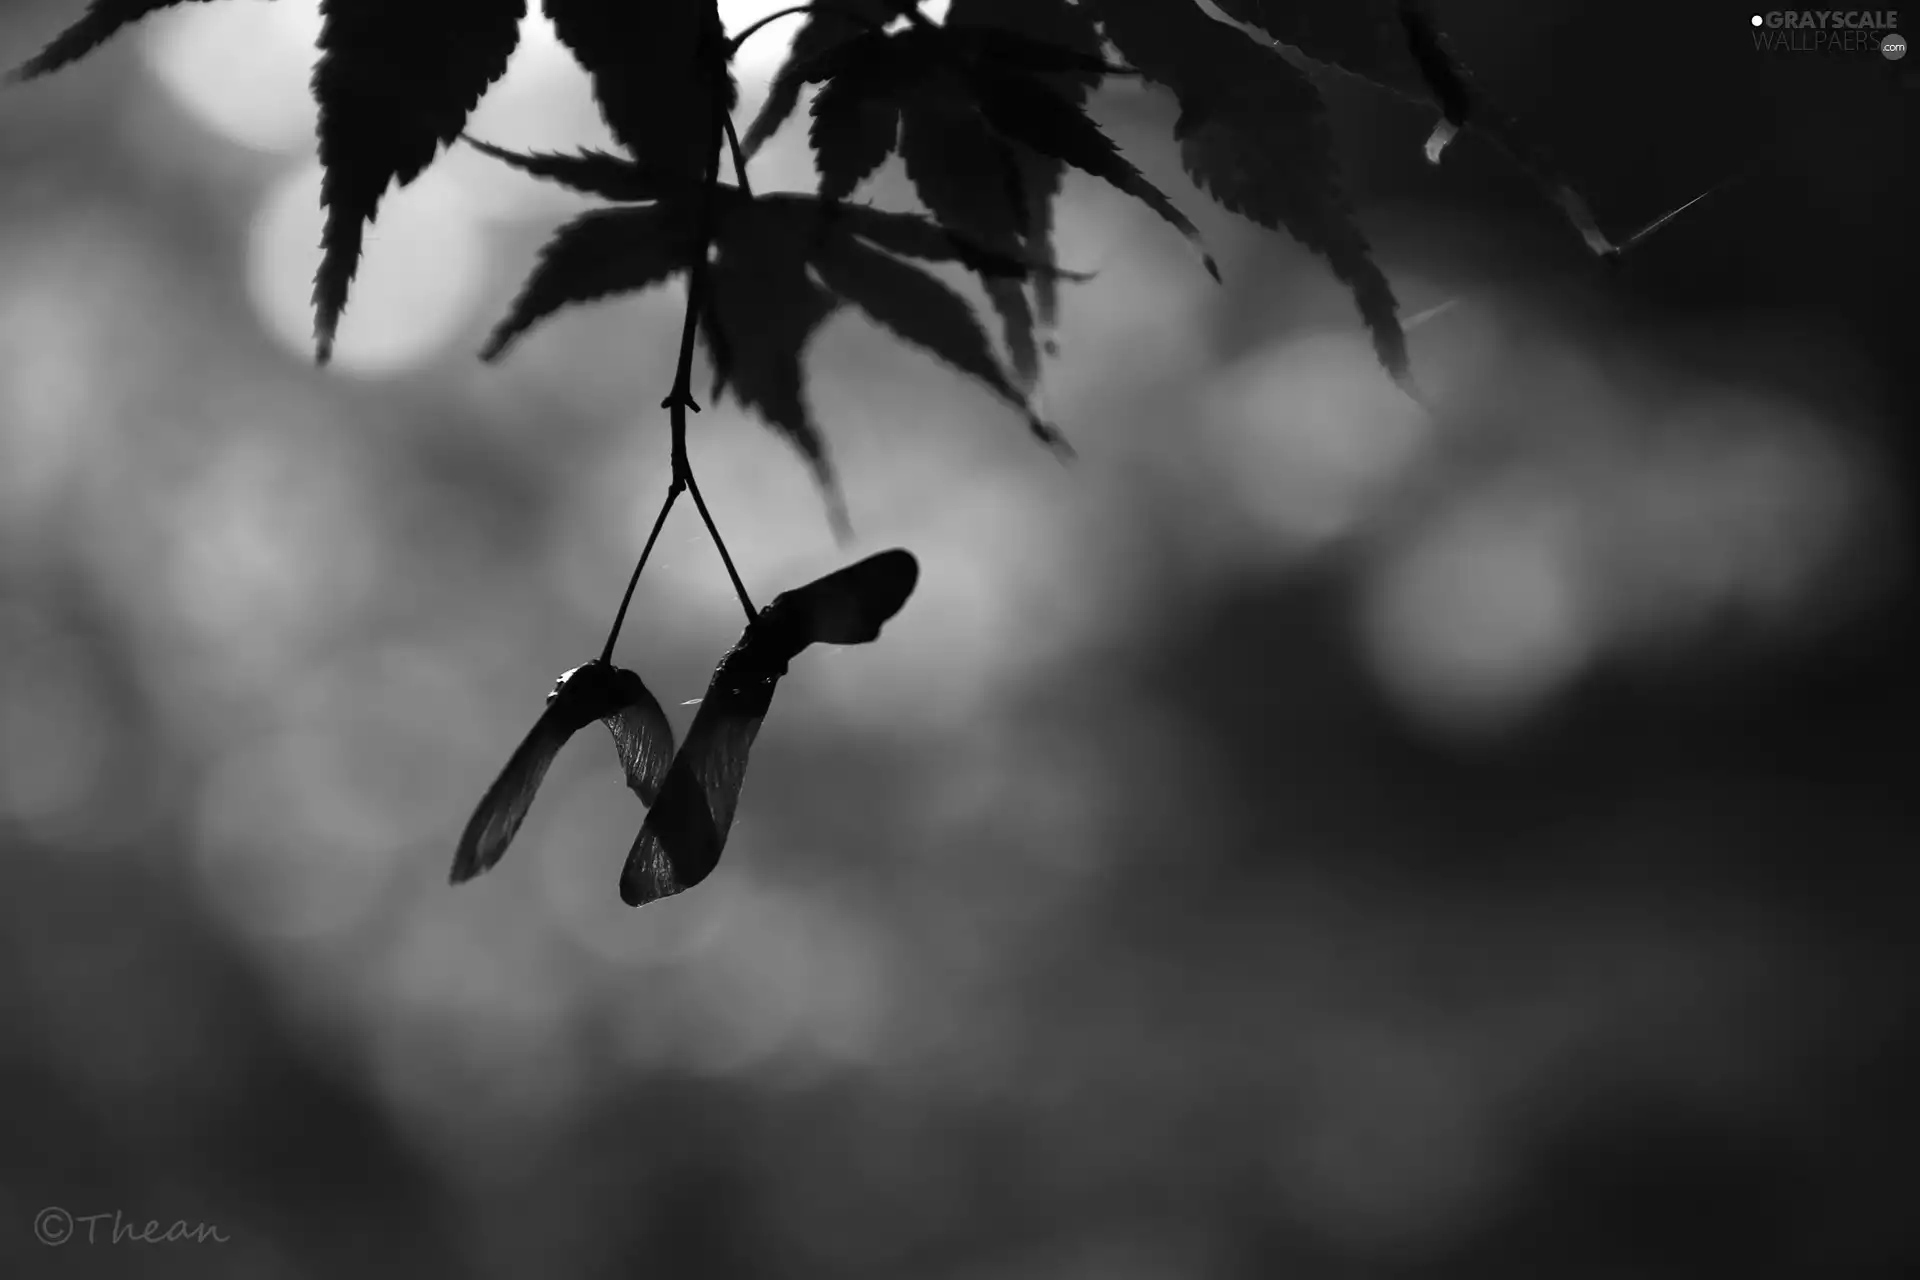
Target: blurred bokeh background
1305	837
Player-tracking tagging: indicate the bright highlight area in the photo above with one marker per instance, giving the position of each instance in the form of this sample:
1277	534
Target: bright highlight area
240	69
418	283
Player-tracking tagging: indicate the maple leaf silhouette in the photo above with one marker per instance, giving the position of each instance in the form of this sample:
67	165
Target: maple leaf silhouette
686	829
1027	111
659	74
855	127
593	691
921	310
394	83
1062	25
913	235
594	173
94	28
763	302
972	78
599	254
826	28
989	111
1016	317
785	262
842	244
1396	45
1253	135
762	311
970	178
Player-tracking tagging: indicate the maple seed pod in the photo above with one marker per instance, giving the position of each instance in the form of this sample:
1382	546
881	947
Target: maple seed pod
848	606
592	691
686	829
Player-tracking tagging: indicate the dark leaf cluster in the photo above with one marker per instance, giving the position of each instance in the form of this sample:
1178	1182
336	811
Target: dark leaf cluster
986	110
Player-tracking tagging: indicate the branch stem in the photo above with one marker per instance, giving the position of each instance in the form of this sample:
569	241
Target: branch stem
739	160
739	587
659	522
733	45
680	398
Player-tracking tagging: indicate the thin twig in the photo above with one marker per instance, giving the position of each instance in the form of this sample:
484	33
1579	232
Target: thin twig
852	15
659	521
739	160
1671	214
739	587
680	398
733	45
1603	248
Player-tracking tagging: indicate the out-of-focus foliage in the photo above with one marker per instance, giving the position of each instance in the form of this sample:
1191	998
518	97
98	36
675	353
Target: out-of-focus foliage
1303	838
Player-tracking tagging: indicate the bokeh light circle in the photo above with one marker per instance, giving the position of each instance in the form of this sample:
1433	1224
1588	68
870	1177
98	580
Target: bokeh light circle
240	70
422	274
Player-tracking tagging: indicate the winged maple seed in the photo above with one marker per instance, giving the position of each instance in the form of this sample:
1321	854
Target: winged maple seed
686	830
592	691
